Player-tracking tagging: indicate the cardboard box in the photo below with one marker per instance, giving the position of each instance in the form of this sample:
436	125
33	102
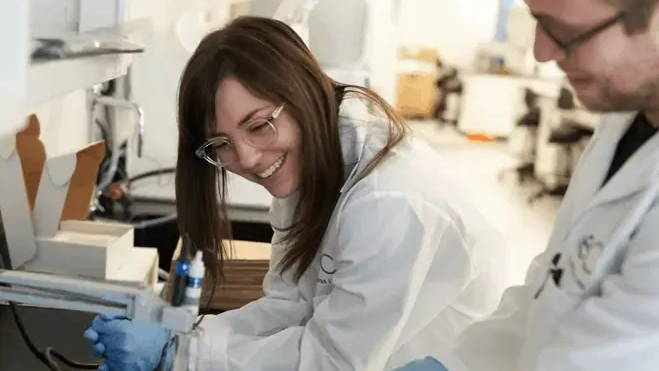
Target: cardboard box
33	157
416	95
423	54
83	181
39	238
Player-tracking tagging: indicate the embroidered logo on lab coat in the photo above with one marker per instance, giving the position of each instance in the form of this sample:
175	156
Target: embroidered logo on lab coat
327	267
584	263
581	265
555	273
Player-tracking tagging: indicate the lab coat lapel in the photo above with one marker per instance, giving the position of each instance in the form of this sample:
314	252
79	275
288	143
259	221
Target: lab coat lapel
586	184
355	125
638	172
353	139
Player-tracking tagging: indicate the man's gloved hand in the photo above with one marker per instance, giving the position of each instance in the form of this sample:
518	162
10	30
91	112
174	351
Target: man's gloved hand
128	346
426	364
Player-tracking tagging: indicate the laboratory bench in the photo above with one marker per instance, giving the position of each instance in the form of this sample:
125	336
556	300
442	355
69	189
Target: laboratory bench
246	223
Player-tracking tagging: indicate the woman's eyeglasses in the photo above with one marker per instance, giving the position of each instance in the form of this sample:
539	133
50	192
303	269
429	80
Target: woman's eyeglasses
259	133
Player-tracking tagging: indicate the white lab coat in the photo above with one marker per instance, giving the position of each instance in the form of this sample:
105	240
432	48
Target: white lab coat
403	267
604	313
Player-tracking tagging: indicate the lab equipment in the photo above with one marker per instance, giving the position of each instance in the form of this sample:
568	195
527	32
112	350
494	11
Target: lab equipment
108	101
112	298
194	283
181	274
73	46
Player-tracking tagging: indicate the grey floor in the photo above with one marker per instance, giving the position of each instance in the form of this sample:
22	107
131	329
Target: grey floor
503	202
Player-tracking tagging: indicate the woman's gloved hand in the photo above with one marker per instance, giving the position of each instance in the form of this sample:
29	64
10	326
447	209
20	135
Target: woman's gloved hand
128	346
426	364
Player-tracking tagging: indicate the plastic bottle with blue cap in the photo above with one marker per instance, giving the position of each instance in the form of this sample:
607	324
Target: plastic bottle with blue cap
194	283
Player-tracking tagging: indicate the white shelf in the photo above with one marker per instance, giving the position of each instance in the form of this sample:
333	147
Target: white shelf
52	78
49	79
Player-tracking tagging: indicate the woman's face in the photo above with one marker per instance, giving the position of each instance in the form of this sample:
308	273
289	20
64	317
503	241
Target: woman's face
275	165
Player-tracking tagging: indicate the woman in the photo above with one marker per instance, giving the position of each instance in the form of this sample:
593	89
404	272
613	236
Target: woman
374	260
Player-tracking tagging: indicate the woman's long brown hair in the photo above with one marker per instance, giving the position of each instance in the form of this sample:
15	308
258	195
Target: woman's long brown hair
271	60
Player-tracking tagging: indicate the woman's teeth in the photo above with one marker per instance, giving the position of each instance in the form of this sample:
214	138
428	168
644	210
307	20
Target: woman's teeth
271	170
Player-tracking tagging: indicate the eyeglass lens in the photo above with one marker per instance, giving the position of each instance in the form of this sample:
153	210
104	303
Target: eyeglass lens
259	133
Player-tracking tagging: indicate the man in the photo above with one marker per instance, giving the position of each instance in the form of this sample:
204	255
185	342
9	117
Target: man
591	300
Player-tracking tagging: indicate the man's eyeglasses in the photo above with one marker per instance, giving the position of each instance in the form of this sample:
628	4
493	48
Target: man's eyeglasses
570	45
260	132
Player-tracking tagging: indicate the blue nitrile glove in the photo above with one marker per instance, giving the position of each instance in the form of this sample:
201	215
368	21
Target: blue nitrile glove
426	364
128	346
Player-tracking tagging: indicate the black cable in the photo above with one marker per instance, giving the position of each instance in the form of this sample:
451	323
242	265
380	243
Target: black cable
50	352
108	149
26	338
46	357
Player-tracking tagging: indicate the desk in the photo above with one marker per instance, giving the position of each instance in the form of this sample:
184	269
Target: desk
60	329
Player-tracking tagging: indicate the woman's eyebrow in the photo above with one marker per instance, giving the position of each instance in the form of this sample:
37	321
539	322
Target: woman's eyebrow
244	120
251	115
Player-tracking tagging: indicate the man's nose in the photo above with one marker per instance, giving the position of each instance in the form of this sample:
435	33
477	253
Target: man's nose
545	49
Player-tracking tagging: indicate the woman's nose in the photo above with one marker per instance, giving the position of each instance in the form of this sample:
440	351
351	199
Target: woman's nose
248	155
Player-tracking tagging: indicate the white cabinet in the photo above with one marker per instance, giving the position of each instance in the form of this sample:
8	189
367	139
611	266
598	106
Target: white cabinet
490	103
25	85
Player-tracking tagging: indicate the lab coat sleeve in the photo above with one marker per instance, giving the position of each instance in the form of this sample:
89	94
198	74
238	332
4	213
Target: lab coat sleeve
619	328
387	242
494	344
282	306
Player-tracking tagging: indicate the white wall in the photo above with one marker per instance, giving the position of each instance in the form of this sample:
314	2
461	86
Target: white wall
382	45
155	76
454	27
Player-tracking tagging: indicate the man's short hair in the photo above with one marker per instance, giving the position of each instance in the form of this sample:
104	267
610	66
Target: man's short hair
639	13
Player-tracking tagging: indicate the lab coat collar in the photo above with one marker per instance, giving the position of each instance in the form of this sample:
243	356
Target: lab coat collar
638	172
361	138
356	134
